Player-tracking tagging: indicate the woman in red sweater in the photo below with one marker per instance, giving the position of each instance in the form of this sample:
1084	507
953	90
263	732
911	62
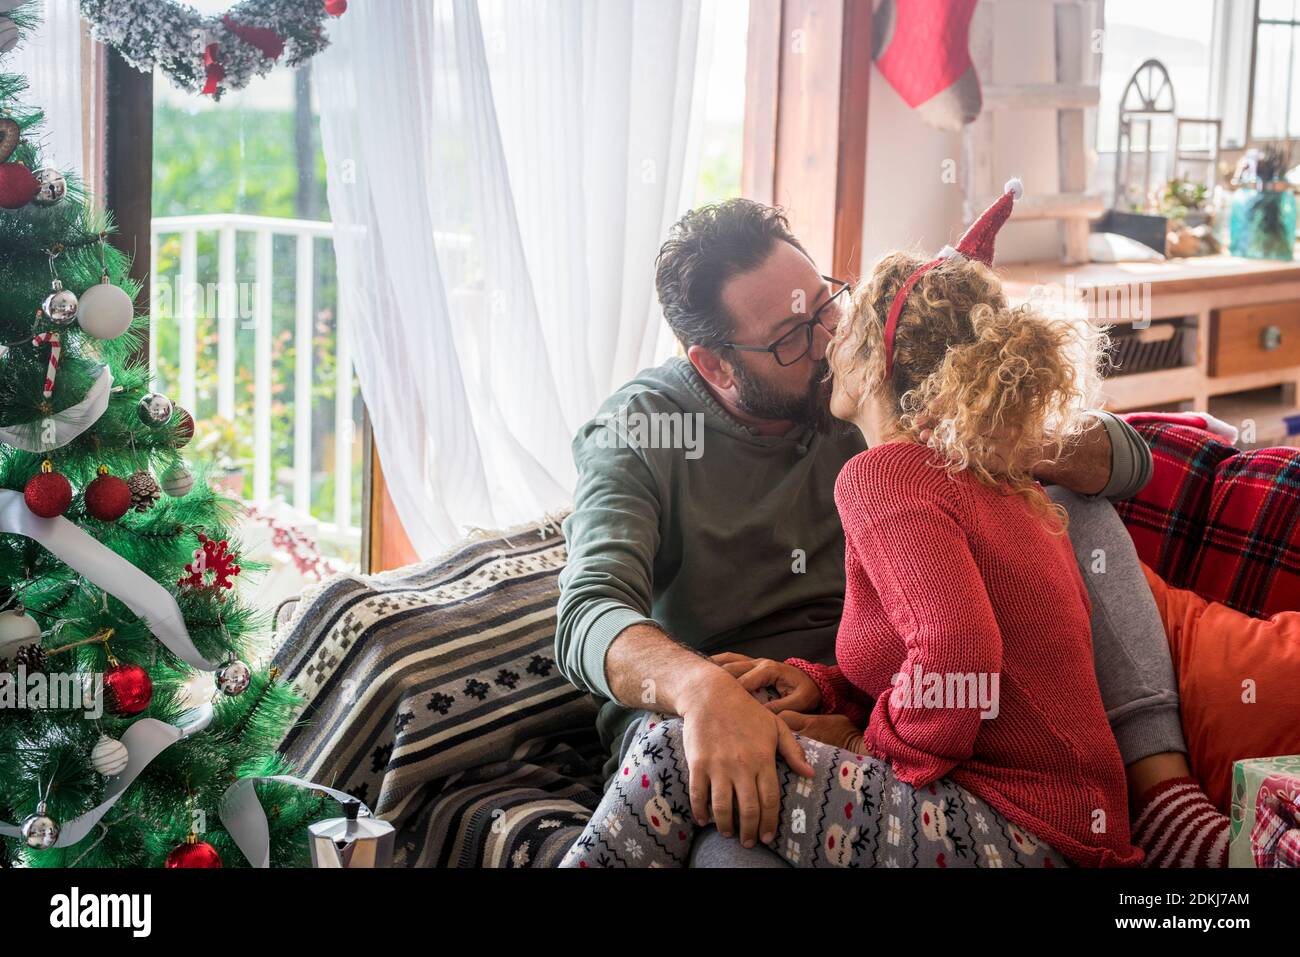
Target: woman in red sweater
959	575
962	725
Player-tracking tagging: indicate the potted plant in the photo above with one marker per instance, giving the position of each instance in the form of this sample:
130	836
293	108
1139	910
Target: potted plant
1263	207
218	443
1186	205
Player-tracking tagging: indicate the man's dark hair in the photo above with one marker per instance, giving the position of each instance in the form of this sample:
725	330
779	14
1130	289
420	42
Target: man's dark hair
705	249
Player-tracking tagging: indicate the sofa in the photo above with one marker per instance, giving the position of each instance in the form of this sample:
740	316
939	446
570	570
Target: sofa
431	692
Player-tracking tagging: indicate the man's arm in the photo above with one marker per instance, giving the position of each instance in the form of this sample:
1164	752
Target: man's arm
1109	459
606	642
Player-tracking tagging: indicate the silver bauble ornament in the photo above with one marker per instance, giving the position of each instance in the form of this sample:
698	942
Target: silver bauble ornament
109	756
105	311
17	628
233	677
39	830
52	187
177	481
144	490
154	409
60	306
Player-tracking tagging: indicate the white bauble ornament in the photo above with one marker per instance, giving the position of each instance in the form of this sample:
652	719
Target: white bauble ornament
109	756
17	628
105	311
8	35
177	481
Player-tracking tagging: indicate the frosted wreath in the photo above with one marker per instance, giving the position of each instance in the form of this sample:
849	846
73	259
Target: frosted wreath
212	54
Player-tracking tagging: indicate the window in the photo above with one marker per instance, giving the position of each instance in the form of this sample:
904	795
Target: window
245	319
1178	33
1276	107
723	43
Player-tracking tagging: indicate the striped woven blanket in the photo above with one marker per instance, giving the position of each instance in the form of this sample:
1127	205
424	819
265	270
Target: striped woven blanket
432	695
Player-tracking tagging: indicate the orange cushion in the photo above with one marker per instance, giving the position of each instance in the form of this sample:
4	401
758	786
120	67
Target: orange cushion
1239	681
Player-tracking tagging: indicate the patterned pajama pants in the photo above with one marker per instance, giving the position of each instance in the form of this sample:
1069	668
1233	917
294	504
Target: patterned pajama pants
853	812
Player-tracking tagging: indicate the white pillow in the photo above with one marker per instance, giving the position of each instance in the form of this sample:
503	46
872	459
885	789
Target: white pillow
1114	248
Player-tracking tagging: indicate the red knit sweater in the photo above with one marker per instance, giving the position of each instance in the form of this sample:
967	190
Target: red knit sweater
958	579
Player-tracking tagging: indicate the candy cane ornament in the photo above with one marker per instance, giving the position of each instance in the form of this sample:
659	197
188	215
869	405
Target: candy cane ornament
56	349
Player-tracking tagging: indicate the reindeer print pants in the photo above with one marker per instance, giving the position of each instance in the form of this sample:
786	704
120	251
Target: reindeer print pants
853	812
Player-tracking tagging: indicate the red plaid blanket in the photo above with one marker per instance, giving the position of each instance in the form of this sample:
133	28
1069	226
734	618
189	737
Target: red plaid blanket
1218	521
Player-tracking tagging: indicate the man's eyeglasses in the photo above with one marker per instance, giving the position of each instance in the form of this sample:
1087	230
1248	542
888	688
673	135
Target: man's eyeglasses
796	343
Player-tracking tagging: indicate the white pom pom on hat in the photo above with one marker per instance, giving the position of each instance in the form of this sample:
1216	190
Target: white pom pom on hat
1014	187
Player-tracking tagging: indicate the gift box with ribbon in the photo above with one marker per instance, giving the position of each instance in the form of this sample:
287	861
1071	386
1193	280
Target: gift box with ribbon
1266	812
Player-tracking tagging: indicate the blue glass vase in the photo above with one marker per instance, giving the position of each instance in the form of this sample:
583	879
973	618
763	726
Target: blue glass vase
1263	222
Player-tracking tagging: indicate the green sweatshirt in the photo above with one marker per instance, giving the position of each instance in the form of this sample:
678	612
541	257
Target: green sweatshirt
725	539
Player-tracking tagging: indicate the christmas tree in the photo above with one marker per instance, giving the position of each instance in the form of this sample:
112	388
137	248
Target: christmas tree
116	566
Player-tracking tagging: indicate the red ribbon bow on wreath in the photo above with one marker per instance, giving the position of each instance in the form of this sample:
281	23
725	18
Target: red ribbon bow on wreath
264	39
216	72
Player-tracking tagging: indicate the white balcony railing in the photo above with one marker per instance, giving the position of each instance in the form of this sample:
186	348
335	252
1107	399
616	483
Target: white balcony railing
256	302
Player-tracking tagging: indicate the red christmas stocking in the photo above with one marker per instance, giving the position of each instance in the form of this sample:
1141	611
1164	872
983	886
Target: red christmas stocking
921	50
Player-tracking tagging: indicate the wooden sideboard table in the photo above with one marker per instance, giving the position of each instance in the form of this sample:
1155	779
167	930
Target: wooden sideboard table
1230	329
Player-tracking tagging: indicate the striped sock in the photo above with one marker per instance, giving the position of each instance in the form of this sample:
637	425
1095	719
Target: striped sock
1179	827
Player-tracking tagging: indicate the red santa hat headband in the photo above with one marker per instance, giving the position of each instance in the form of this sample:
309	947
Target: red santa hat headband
976	243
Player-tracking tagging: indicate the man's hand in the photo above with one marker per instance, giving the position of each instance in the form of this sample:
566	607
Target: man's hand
1085	466
833	729
795	688
731	746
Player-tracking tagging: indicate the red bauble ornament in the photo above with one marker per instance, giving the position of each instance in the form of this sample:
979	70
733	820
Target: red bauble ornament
184	430
194	853
336	8
127	690
48	493
108	497
17	185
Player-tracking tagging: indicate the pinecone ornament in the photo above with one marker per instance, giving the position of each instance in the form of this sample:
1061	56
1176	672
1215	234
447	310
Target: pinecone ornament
33	658
144	490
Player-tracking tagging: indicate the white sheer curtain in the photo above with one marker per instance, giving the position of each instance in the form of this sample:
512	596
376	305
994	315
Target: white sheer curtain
501	175
50	59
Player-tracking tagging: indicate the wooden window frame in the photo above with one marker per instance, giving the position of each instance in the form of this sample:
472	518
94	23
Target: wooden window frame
808	75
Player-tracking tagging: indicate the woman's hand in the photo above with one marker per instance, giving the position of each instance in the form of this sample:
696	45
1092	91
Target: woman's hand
833	729
796	691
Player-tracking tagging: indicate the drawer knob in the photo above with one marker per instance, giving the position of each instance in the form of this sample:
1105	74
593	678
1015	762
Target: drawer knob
1270	338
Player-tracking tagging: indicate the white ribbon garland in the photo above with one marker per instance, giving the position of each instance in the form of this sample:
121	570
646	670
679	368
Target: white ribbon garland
101	566
245	821
68	424
144	740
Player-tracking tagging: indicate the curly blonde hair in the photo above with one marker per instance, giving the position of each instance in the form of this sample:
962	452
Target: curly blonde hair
1002	389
